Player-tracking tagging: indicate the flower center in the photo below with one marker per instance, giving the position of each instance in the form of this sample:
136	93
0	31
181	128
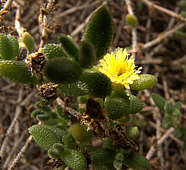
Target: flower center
121	71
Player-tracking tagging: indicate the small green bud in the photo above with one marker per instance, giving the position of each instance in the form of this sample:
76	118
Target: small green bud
62	70
79	133
99	31
16	71
44	135
132	132
28	41
131	20
53	51
87	54
116	107
70	46
144	82
98	84
74	159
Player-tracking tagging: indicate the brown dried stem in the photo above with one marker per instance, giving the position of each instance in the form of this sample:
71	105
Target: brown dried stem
134	31
43	20
6	6
153	148
17	158
163	36
164	10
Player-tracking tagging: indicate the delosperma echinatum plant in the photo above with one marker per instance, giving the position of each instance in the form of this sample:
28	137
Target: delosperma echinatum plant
100	84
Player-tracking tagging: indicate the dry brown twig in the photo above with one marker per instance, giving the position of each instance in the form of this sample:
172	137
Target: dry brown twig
81	26
19	107
163	36
20	30
17	158
164	10
153	148
43	20
134	31
76	8
10	129
6	6
13	150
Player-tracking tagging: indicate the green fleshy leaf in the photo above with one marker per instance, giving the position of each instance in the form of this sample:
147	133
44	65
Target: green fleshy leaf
54	51
53	153
87	54
159	101
169	107
7	47
69	141
116	107
74	159
119	93
51	122
16	71
99	31
83	99
36	112
136	161
177	105
104	167
98	84
45	136
144	82
70	46
136	105
28	41
74	89
62	70
102	156
42	117
15	45
108	144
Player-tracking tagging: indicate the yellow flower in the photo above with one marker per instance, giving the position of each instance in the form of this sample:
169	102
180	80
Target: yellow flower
119	68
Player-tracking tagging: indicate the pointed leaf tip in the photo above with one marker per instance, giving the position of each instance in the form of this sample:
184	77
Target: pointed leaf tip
99	31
